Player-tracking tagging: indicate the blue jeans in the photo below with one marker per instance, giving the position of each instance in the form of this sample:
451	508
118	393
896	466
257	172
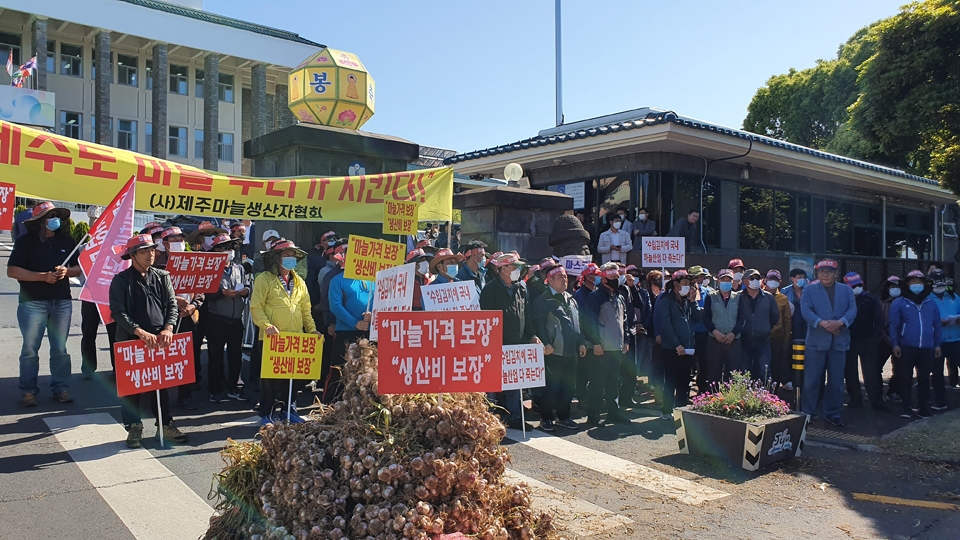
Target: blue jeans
815	364
755	357
52	316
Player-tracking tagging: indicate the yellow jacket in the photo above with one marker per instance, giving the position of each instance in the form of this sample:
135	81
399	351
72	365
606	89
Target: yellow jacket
270	304
783	328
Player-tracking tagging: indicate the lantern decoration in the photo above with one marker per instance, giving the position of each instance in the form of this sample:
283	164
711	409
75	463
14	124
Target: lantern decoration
332	88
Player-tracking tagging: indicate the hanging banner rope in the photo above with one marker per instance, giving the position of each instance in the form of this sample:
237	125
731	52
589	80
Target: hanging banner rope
48	166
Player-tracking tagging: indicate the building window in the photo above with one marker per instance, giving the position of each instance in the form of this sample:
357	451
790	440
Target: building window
178	141
785	221
225	88
756	218
93	64
687	197
839	221
198	143
51	57
149	74
10	43
71	125
148	131
71	60
198	83
127	135
909	235
803	224
178	80
126	70
225	147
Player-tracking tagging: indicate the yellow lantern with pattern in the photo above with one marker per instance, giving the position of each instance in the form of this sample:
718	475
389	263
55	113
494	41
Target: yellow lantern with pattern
332	88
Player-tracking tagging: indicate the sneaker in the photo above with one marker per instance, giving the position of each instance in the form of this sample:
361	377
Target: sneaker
281	416
618	419
812	420
29	400
627	403
594	420
134	435
788	387
665	416
187	403
906	415
548	426
86	376
923	413
237	395
835	421
172	434
938	407
893	398
63	397
218	397
568	423
264	420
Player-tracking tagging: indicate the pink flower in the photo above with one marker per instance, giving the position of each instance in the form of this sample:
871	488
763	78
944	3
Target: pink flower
346	117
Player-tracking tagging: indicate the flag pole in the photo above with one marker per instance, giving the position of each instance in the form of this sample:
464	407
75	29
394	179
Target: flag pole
75	249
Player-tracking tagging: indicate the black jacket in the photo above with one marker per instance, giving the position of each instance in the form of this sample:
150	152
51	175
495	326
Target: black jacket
513	302
757	316
870	322
555	319
146	302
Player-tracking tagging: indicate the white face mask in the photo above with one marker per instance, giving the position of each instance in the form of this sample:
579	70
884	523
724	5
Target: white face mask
614	225
160	247
771	284
684	290
268	244
938	290
754	284
515	275
857	290
642	217
207	242
177	247
230	256
894	292
423	267
737	276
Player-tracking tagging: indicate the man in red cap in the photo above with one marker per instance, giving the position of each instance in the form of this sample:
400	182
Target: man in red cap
736	266
143	303
42	261
587	283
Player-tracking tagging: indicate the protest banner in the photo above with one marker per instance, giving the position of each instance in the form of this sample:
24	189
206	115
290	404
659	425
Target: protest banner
109	233
290	355
140	369
455	296
574	264
8	205
393	292
664	252
400	217
61	168
367	256
523	367
435	352
196	272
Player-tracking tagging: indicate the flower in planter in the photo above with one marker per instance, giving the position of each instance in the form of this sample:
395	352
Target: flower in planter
741	399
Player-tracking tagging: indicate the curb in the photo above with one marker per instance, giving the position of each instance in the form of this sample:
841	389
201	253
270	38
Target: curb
872	448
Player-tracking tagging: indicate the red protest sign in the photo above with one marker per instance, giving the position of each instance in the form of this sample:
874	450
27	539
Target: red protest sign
8	196
440	351
140	369
196	272
108	236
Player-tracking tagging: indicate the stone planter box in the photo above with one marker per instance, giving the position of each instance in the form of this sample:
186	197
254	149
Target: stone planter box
750	445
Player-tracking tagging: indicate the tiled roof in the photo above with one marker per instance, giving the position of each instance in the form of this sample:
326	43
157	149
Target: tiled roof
206	16
664	117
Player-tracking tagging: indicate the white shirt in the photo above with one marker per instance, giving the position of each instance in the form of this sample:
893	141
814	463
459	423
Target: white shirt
610	238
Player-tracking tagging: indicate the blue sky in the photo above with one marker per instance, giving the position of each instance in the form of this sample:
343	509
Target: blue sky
469	75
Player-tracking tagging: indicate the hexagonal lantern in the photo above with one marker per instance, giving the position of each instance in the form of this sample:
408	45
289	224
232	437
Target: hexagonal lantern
332	88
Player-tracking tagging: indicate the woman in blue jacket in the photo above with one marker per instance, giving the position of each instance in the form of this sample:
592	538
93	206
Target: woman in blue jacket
915	333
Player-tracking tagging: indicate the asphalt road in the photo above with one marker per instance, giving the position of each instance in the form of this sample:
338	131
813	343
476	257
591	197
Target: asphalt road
65	473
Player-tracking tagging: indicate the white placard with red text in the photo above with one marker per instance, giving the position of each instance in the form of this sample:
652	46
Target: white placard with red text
8	196
393	292
456	296
523	367
664	252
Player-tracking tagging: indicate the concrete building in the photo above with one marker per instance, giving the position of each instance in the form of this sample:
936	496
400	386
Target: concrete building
160	78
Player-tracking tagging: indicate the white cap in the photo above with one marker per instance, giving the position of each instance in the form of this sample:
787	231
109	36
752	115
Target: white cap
270	234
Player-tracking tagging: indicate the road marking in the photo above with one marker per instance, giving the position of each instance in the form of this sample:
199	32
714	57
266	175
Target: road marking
671	486
6	247
906	502
576	516
252	421
131	481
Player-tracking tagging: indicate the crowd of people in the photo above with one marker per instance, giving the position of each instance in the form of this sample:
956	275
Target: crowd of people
602	331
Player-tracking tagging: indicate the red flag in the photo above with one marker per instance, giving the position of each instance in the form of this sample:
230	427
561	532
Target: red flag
113	228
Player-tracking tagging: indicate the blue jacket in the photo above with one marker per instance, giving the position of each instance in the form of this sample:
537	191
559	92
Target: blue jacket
913	325
949	307
348	301
815	307
799	323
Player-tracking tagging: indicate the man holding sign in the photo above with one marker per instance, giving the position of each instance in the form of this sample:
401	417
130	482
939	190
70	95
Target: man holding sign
144	306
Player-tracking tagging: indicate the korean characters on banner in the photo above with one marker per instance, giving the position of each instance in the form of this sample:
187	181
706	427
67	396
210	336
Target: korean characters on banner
367	256
664	252
140	369
437	352
523	367
574	264
289	355
456	296
8	196
196	272
400	217
393	292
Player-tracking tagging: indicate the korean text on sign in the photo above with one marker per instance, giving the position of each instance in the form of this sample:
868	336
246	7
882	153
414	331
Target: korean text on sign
400	217
574	264
140	369
664	252
290	355
196	272
367	256
8	194
523	367
393	292
433	352
456	296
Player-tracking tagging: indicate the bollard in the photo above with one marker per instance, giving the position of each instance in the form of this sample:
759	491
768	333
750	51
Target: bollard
799	351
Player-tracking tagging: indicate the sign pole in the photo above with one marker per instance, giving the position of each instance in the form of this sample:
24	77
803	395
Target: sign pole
75	249
289	401
159	419
440	399
523	416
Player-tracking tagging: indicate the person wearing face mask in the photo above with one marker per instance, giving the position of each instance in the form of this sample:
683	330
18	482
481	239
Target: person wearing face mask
144	305
889	292
604	320
328	321
865	332
614	243
350	303
676	314
949	306
316	261
793	292
781	343
202	238
445	266
757	315
698	275
280	303
474	263
736	266
421	260
643	319
506	292
37	262
625	226
225	325
642	227
269	237
587	283
916	333
829	309
720	316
